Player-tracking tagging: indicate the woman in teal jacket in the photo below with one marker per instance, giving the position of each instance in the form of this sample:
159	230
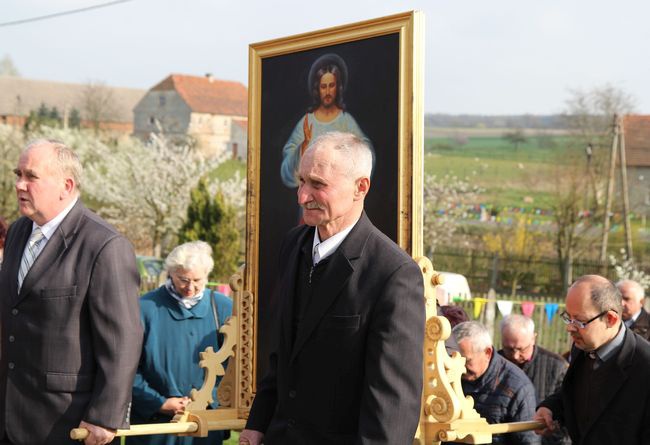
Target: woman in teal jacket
180	320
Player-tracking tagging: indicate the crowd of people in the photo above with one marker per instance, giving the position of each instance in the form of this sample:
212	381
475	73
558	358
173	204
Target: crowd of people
80	348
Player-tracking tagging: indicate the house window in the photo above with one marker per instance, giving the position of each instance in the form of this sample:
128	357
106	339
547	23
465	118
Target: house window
161	100
152	120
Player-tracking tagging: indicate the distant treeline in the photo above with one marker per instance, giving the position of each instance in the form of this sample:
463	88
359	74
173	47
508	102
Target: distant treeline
554	121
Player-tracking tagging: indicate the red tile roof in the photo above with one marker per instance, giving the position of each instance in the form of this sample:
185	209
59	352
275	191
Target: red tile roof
636	129
208	95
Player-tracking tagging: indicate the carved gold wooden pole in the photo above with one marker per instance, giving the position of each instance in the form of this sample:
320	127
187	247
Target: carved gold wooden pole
446	413
235	391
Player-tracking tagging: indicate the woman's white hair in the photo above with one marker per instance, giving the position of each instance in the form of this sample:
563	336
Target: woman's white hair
194	256
475	332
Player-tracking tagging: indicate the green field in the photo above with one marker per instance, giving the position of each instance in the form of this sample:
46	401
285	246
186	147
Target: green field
537	148
509	177
229	168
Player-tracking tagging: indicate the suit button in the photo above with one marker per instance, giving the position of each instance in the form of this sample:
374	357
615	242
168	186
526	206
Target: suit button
12	339
292	393
14	311
291	423
11	365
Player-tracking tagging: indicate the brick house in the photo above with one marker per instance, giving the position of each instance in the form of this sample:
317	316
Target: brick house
212	112
636	133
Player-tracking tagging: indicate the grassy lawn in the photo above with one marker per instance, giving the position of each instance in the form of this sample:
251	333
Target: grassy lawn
542	148
507	175
228	169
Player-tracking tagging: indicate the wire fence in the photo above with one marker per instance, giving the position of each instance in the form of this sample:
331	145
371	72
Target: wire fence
539	278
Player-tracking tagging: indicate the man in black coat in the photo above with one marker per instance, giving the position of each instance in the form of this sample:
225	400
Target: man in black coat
605	396
347	366
544	368
635	316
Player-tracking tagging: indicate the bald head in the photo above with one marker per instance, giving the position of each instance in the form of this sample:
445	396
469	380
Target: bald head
593	310
604	295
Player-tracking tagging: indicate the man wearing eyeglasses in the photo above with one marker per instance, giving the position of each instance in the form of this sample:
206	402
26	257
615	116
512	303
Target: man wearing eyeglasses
605	396
501	391
544	368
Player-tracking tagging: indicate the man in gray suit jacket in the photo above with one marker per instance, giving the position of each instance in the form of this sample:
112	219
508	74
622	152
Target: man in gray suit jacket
347	364
71	334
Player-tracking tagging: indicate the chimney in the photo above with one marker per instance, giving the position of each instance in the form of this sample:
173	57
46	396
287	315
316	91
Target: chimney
210	77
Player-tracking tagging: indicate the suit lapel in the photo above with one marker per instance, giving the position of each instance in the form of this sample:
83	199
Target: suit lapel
54	248
333	281
288	287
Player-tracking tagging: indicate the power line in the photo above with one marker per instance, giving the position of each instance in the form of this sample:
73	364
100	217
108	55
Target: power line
59	14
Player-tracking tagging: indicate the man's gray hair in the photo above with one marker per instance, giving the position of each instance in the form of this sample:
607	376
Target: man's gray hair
66	160
604	294
355	151
635	287
475	332
195	256
518	322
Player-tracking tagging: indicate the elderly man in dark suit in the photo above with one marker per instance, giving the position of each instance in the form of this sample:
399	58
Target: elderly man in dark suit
544	368
501	391
71	334
605	396
634	315
347	367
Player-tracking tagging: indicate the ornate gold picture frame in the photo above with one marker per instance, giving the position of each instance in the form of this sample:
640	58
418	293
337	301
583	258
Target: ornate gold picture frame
380	64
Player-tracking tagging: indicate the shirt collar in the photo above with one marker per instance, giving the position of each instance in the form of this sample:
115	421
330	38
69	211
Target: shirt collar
608	349
322	249
50	227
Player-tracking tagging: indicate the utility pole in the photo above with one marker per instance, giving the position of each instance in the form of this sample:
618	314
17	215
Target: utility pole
610	192
626	196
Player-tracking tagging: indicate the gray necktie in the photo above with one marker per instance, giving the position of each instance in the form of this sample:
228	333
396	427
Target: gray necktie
30	254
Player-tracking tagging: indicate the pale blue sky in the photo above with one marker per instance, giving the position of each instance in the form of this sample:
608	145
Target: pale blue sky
482	57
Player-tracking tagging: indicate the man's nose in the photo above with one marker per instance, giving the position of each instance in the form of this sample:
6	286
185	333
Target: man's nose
303	195
20	184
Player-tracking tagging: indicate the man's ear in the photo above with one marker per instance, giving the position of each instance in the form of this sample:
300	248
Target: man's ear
362	186
68	187
611	318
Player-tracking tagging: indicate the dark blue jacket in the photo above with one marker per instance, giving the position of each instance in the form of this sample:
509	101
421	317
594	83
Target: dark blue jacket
169	366
504	394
